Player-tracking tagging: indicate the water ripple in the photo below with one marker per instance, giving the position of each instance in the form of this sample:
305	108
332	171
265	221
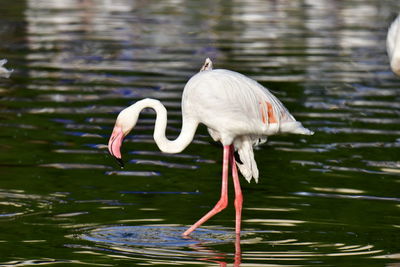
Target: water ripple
332	130
364	197
15	203
329	168
159	153
133	173
356	145
163	164
152	236
71	166
48	261
160	192
166	242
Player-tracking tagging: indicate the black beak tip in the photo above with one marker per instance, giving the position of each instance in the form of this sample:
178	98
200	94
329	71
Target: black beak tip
120	162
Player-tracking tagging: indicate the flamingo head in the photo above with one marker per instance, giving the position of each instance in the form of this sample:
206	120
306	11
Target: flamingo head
125	122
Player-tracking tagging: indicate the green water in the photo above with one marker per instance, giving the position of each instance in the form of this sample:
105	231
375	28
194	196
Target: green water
331	199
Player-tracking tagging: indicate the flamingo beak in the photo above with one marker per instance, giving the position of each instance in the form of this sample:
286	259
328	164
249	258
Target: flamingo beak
114	144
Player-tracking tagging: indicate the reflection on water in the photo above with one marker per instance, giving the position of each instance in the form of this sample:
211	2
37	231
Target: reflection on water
16	203
164	242
161	242
154	236
328	199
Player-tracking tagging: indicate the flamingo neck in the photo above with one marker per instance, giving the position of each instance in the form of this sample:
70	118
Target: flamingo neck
186	135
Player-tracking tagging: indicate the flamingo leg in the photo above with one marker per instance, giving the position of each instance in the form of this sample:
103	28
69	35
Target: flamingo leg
223	201
238	252
238	192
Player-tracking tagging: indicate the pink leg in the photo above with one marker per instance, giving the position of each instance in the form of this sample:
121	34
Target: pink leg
223	202
238	192
238	252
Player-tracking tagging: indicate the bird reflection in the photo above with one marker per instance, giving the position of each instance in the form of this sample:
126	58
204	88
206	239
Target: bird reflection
218	257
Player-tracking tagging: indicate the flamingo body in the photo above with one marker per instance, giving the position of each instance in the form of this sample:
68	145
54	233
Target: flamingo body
238	112
393	45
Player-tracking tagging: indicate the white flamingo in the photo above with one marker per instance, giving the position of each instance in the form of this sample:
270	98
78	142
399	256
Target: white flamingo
239	112
393	45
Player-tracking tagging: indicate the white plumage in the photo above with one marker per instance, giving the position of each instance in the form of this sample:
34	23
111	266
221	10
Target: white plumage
5	73
235	110
393	45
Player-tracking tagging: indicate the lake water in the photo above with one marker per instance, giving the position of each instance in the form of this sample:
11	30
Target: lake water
331	199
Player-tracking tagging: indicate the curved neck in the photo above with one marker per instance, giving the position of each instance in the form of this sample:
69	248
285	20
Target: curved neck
189	127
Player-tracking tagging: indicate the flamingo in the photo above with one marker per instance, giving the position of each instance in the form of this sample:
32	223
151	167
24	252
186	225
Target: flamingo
238	112
393	45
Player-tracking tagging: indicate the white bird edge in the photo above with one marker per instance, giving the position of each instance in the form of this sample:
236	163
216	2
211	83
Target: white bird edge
238	112
393	45
5	73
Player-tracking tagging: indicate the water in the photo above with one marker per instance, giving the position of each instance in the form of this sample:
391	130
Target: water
326	200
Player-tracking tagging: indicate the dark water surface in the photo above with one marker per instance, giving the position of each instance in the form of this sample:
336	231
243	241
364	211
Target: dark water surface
331	199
